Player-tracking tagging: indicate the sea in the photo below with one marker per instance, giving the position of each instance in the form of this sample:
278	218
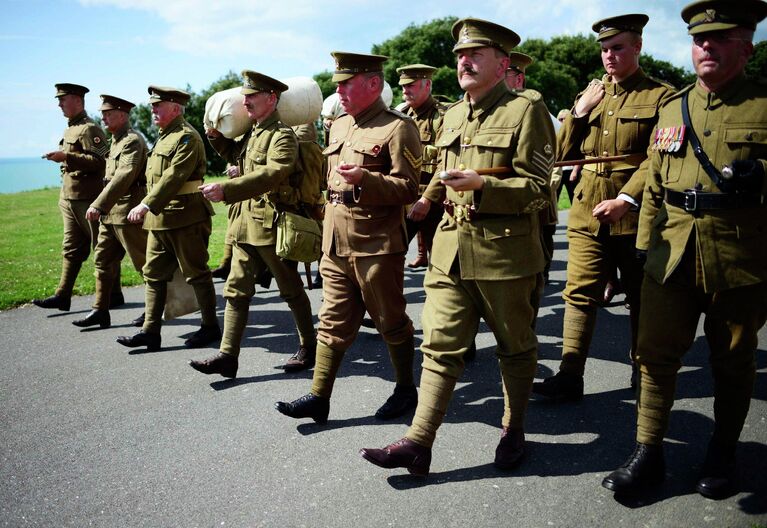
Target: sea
27	174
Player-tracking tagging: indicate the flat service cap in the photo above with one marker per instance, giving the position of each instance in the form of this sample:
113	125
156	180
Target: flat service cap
478	33
719	15
609	27
110	102
413	72
350	64
164	93
519	61
254	82
69	88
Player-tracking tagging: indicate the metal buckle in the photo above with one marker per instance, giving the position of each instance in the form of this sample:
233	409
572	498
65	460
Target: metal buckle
687	196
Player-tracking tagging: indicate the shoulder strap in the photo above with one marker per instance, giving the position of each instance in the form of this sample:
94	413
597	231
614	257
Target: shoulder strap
703	159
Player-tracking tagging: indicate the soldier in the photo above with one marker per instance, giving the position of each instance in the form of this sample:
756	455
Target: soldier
178	219
614	116
267	156
82	152
374	161
487	250
427	112
125	188
705	231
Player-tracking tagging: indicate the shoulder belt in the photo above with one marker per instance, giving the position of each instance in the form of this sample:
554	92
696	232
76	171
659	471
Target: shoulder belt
703	158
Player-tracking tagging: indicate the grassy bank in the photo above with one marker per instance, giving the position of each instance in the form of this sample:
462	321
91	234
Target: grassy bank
30	248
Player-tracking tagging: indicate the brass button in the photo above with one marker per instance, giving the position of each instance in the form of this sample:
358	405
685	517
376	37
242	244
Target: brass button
706	132
461	167
604	153
635	116
460	194
489	141
610	113
615	96
606	132
338	182
467	140
749	136
507	231
370	215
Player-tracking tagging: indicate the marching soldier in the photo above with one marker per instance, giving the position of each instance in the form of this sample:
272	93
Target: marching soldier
178	220
427	112
611	117
125	188
266	156
487	250
82	154
374	162
703	225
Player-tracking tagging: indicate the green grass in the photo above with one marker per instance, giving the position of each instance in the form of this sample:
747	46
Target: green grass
30	248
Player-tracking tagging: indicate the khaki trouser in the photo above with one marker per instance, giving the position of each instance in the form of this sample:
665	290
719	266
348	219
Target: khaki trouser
248	262
450	319
667	325
114	241
590	264
79	238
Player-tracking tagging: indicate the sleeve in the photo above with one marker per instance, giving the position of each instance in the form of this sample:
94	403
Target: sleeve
95	148
400	186
570	135
281	158
652	200
527	190
129	164
182	163
228	149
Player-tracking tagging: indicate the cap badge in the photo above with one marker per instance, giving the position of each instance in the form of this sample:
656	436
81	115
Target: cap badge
710	15
465	32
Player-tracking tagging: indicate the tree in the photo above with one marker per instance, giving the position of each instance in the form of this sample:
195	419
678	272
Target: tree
757	65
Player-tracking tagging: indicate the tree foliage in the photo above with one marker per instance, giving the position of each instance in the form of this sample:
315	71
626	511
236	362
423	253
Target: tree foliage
757	65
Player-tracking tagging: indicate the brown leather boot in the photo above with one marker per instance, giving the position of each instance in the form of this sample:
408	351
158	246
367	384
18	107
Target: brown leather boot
304	358
510	449
421	259
403	453
224	364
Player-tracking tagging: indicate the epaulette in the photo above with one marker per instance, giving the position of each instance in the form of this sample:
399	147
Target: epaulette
528	93
662	82
680	93
398	113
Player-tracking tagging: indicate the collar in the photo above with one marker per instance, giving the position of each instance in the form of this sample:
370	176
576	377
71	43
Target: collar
176	123
117	136
266	123
715	99
424	110
79	118
488	101
626	85
370	112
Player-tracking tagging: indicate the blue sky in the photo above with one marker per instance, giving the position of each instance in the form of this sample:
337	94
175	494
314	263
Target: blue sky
122	46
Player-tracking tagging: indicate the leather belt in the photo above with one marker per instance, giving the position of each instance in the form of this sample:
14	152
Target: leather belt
693	200
341	197
466	212
604	169
189	187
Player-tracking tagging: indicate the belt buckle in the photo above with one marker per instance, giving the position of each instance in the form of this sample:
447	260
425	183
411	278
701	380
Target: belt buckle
690	195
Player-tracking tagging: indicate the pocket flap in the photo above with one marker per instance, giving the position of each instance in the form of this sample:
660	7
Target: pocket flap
744	134
637	112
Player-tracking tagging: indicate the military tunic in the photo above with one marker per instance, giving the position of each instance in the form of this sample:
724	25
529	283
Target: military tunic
267	157
487	250
428	119
711	262
620	124
125	188
82	174
178	221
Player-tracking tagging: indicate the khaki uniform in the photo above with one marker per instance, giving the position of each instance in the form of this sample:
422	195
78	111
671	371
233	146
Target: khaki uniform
82	175
364	239
428	119
621	124
125	188
711	262
178	221
267	157
487	250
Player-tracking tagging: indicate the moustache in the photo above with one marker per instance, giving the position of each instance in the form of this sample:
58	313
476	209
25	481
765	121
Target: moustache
469	70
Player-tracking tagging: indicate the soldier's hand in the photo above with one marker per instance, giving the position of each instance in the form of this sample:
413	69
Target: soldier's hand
137	214
610	211
591	96
463	180
350	172
576	173
232	171
57	155
419	210
212	191
92	214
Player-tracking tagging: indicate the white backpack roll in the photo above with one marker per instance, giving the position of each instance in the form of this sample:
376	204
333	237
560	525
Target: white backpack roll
301	103
224	112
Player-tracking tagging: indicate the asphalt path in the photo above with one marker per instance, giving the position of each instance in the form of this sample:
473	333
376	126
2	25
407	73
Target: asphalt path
92	435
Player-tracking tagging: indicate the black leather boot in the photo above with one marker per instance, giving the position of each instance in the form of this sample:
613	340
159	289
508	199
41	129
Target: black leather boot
560	387
116	299
54	301
96	317
403	453
206	335
404	399
510	449
718	476
150	341
307	406
224	364
139	321
644	468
